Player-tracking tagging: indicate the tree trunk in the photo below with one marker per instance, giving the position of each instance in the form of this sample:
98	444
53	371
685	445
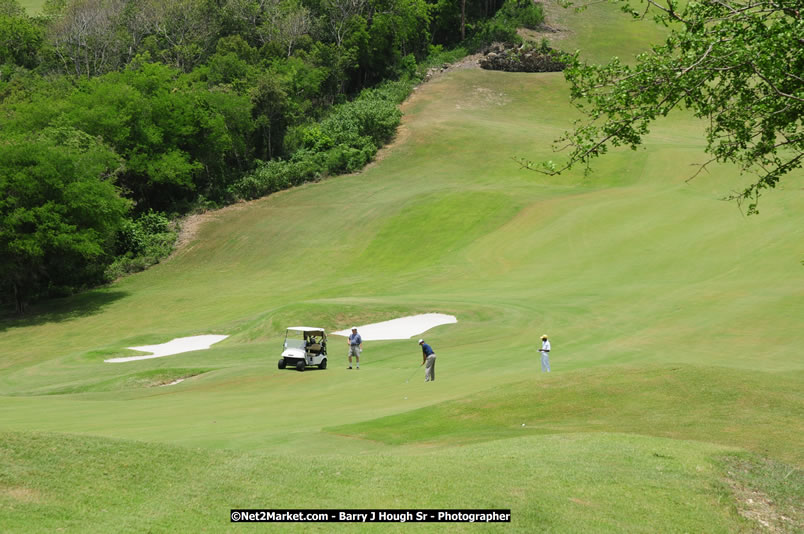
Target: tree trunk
19	303
463	20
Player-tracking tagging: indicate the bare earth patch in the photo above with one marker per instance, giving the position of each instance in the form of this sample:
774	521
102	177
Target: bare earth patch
761	509
21	494
483	97
173	383
191	224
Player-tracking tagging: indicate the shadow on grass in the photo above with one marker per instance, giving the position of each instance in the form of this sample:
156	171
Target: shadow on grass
61	309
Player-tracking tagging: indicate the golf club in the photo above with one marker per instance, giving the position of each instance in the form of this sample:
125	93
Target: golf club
411	375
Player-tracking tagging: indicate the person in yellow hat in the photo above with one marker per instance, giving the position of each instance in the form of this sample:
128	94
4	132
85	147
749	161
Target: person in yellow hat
545	350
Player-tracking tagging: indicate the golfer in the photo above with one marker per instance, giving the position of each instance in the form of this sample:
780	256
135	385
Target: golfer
545	350
355	346
428	360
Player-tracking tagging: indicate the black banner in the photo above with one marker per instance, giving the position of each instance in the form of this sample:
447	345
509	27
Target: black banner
281	515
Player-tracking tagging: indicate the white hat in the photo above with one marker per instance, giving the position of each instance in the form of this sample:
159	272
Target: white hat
421	341
354	328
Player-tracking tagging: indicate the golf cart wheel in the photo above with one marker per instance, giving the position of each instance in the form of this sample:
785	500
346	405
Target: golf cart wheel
282	363
300	366
323	364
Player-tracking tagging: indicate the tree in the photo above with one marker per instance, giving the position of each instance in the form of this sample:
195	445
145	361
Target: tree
59	212
270	111
463	20
11	8
187	29
178	137
84	38
735	63
285	23
20	40
339	13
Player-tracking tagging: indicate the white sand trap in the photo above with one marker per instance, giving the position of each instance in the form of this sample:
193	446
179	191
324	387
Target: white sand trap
180	380
176	346
402	328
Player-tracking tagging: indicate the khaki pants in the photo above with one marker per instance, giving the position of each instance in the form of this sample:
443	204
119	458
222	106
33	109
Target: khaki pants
429	368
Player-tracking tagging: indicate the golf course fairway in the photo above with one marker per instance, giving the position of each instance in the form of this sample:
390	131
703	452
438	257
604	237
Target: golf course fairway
675	401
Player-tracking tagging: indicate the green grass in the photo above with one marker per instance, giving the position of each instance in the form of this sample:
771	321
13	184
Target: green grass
688	403
675	322
777	502
600	31
100	485
33	7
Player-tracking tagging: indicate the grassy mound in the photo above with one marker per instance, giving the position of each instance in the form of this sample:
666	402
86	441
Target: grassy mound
615	483
687	403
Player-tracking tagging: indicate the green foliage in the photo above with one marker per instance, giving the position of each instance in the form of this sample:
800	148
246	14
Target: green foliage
138	235
177	137
446	18
521	13
502	27
142	242
344	141
736	64
437	56
493	31
11	8
198	100
396	30
20	40
59	212
271	114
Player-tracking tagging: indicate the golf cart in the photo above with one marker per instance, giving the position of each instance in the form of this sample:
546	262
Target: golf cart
304	345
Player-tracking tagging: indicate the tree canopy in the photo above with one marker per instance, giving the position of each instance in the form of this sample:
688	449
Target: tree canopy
59	211
738	64
142	110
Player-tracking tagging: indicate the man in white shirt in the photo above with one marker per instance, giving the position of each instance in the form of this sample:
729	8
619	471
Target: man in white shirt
545	350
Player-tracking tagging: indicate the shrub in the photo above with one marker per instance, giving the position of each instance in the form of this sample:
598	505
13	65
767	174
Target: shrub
141	243
502	28
345	141
493	31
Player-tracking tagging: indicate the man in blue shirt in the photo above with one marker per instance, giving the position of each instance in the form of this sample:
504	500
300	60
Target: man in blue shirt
428	360
355	346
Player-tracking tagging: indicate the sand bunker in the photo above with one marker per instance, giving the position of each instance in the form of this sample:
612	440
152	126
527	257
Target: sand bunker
176	346
402	328
178	381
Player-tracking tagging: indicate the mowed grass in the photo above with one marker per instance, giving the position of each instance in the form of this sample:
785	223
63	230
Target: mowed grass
33	7
670	402
675	321
567	483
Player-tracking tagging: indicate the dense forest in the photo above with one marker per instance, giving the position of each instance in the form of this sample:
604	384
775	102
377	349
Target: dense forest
118	116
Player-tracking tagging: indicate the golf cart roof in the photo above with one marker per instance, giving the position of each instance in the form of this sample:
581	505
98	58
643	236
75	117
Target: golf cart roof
306	329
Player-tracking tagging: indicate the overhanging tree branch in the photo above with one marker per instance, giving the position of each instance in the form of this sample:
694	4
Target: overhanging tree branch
735	63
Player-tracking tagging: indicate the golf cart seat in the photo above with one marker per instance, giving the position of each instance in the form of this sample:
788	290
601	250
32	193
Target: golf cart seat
314	348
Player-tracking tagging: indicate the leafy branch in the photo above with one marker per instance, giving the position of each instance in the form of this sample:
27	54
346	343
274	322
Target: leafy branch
735	63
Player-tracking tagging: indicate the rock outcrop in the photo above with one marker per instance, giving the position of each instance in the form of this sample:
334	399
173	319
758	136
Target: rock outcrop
523	58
